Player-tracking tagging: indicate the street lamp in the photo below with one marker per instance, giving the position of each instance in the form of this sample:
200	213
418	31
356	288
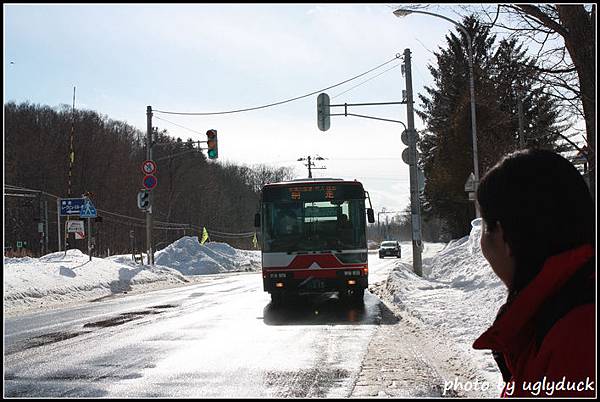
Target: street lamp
402	12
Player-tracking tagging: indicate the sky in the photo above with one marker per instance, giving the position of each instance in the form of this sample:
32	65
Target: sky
454	310
198	58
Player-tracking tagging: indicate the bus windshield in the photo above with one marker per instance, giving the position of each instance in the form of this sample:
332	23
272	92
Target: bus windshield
313	225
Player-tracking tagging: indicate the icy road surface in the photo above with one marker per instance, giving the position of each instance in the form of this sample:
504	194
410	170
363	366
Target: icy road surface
216	338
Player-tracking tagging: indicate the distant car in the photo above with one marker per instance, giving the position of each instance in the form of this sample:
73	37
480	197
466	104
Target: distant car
390	248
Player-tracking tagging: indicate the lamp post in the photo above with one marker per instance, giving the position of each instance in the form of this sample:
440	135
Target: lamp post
402	12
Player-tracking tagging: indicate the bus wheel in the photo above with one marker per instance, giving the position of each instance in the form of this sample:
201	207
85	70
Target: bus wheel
358	297
353	296
277	299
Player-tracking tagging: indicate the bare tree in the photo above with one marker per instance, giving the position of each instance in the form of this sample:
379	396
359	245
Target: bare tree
563	36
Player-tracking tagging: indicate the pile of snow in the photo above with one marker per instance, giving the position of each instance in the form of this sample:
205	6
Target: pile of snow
67	277
189	257
458	295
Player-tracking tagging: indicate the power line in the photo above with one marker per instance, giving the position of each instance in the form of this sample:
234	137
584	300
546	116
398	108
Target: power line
178	125
137	222
282	102
364	82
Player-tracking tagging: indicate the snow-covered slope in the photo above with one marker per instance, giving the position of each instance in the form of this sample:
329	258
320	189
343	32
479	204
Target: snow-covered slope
60	278
189	257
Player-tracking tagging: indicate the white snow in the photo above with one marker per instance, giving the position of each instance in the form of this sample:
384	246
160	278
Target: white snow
457	297
60	278
189	257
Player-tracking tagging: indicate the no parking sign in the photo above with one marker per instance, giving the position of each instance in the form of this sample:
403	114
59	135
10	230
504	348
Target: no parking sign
150	181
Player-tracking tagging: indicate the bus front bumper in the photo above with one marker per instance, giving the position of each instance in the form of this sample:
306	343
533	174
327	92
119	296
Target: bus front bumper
323	281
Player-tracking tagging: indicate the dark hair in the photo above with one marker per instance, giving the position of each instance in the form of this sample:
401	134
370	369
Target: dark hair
543	204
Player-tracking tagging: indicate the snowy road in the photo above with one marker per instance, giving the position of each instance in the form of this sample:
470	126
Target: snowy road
216	338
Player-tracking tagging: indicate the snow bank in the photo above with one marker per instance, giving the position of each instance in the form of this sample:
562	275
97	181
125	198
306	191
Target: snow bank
459	295
462	265
189	257
62	278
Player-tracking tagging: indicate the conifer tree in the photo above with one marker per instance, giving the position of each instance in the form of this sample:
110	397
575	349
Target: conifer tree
503	79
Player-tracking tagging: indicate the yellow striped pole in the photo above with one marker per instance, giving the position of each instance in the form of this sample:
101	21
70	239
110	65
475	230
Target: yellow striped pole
71	161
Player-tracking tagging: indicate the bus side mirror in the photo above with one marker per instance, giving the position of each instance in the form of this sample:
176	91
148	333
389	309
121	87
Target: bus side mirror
257	220
370	215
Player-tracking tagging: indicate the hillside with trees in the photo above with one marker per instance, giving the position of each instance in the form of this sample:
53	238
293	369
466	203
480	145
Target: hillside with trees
192	193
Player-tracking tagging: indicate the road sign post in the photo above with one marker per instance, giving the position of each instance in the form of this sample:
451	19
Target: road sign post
409	155
415	202
149	247
471	187
88	210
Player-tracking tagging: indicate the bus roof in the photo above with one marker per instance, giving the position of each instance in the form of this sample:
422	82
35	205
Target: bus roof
314	180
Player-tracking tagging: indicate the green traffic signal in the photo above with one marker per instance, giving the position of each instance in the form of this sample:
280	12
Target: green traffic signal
213	150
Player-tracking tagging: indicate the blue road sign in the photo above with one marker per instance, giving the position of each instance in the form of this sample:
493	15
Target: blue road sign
88	210
70	206
150	181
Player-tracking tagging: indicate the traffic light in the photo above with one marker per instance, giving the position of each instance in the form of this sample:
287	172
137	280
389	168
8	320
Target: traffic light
143	200
213	150
323	120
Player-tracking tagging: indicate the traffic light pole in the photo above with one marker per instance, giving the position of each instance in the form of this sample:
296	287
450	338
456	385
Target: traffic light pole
149	247
323	114
415	202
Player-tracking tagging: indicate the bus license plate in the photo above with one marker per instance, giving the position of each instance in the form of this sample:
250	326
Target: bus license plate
315	284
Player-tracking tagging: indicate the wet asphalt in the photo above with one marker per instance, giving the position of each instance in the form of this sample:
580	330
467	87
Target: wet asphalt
217	338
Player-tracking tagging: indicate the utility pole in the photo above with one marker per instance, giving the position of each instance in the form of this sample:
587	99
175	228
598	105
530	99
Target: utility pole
415	203
46	227
41	225
310	164
58	223
323	114
521	131
149	248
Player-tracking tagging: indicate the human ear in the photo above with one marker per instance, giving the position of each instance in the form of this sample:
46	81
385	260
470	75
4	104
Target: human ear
506	246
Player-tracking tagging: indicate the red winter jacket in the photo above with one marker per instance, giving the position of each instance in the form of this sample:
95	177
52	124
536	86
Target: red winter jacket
562	363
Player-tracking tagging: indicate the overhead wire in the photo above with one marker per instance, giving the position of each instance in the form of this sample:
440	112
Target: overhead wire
365	81
178	125
281	102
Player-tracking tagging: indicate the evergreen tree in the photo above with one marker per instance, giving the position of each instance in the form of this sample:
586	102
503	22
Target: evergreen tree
503	76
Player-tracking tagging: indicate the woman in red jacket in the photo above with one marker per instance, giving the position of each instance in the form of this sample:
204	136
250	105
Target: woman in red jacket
538	236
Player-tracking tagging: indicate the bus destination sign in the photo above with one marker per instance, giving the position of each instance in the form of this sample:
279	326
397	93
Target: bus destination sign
327	191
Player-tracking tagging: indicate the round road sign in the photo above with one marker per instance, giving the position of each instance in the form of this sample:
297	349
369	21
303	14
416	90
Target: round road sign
149	167
150	182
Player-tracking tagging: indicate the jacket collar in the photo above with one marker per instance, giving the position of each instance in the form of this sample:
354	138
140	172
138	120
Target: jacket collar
555	272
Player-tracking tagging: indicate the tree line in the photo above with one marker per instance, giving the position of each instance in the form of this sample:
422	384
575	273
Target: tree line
514	109
105	161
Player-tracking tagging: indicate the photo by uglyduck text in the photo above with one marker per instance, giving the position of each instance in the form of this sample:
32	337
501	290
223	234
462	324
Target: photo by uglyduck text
543	387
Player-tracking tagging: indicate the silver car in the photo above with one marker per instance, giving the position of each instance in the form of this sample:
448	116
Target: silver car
390	248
